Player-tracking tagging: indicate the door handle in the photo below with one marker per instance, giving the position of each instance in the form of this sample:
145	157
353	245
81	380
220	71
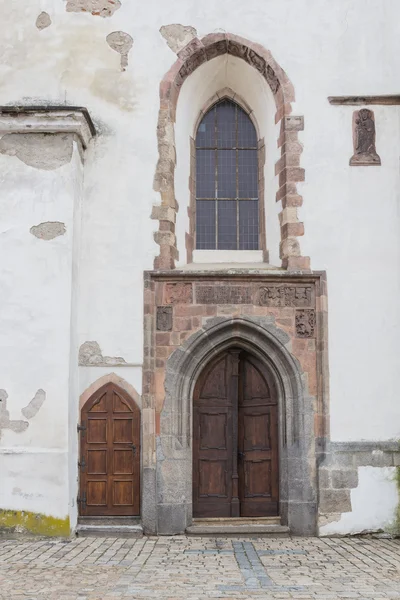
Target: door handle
133	449
241	455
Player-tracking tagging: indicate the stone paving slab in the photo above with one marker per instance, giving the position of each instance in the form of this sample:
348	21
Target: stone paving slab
179	567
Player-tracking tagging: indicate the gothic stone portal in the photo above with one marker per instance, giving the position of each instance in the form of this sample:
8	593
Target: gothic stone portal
235	439
191	319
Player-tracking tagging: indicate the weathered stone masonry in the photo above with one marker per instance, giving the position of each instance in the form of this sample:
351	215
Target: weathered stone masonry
194	54
190	317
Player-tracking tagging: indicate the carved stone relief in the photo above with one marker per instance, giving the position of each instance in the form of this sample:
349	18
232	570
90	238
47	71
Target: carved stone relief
178	293
364	138
305	323
164	318
286	296
211	294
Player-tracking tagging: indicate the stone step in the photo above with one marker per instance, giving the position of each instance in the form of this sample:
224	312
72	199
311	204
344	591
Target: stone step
123	527
238	527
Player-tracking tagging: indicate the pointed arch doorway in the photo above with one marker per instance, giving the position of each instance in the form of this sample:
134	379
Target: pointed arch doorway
110	454
235	439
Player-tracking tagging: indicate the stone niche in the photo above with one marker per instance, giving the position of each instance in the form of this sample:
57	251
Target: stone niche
189	318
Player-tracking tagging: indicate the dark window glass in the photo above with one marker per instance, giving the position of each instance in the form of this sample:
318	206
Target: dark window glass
226	180
205	224
248	225
227	225
248	173
205	174
226	161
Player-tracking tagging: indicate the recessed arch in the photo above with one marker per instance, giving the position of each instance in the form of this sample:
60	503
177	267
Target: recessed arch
109	378
260	337
196	53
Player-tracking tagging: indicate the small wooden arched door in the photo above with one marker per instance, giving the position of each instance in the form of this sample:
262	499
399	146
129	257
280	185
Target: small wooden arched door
235	439
110	454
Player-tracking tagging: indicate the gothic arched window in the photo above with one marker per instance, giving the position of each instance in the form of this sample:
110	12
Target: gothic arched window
227	211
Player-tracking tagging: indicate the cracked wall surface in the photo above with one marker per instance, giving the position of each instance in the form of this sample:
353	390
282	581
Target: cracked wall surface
29	411
48	231
43	21
90	355
46	151
178	36
101	8
120	42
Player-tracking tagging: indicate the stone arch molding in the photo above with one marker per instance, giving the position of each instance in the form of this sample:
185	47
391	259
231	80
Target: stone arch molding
261	337
109	378
193	55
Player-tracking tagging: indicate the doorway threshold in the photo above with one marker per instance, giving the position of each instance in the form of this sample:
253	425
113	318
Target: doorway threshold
238	526
125	527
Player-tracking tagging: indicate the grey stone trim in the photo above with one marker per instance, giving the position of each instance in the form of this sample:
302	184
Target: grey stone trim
259	335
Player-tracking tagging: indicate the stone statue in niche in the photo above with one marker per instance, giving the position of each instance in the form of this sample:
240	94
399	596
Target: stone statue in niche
364	138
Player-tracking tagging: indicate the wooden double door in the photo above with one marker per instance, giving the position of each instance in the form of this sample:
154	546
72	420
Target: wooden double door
109	462
235	440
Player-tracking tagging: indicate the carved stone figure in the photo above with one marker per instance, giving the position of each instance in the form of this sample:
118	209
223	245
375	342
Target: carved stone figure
164	318
178	293
305	323
364	138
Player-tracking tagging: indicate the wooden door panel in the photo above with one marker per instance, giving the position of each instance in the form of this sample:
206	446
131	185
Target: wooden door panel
258	442
257	478
110	454
257	431
235	426
97	493
123	493
123	463
213	479
97	462
212	441
97	430
213	430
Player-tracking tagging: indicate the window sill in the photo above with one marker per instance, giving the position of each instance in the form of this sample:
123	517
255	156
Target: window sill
227	256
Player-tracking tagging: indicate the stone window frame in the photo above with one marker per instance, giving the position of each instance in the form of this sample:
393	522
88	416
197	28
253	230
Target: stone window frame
226	94
194	54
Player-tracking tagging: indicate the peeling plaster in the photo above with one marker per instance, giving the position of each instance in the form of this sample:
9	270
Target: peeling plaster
178	36
47	151
90	356
5	421
34	405
43	20
48	230
101	8
122	43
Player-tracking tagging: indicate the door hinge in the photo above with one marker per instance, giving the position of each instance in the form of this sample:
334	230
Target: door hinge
82	500
81	428
82	463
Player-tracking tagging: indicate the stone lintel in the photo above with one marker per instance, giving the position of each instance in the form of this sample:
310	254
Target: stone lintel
389	100
48	119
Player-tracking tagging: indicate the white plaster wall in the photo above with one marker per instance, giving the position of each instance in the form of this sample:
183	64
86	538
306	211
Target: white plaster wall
35	288
351	214
374	502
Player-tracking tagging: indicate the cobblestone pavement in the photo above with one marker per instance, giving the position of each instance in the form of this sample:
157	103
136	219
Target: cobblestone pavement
179	567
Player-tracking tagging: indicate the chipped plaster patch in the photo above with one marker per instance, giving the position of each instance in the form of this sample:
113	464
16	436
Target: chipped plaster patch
90	356
48	230
101	8
178	36
5	421
43	20
120	42
34	405
45	151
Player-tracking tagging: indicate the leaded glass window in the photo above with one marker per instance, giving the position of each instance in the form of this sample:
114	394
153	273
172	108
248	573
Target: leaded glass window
226	180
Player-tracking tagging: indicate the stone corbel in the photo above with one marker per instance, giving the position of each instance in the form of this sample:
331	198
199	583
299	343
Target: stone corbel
48	119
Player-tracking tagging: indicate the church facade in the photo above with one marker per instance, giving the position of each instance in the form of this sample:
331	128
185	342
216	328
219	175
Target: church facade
200	266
